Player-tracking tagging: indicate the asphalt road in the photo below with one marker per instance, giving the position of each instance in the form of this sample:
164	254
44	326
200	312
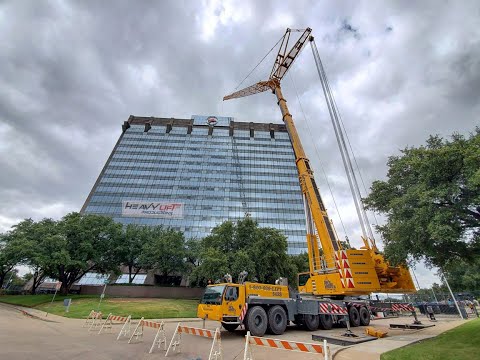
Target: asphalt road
55	337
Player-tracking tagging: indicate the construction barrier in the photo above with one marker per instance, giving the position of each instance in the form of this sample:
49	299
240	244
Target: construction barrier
90	318
94	319
403	307
284	345
108	323
126	328
216	348
160	337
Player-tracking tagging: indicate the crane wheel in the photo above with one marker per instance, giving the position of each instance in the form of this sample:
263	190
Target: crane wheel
230	327
354	317
311	322
277	320
257	321
326	322
364	316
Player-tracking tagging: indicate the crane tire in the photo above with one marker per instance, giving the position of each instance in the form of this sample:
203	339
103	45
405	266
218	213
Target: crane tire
277	320
257	321
230	327
354	316
364	316
326	322
311	322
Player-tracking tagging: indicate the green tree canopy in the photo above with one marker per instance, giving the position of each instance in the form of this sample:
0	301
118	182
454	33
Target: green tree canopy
130	248
235	247
165	251
12	253
69	248
431	199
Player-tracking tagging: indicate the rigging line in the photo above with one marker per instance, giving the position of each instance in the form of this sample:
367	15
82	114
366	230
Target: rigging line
356	164
318	155
250	73
355	184
358	168
338	134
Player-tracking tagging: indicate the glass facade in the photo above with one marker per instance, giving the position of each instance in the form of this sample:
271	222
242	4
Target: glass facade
217	169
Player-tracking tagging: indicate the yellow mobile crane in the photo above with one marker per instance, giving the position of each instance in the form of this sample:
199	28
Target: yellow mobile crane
338	274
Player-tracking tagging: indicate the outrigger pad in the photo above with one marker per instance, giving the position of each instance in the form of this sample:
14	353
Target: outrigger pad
343	340
410	326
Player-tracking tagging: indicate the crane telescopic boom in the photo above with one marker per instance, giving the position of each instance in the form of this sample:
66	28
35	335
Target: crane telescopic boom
337	272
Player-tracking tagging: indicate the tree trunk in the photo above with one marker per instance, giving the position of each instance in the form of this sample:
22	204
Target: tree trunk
2	279
38	278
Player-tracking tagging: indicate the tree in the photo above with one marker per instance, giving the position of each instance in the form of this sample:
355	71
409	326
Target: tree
11	254
84	243
165	251
131	247
464	276
235	247
432	202
37	253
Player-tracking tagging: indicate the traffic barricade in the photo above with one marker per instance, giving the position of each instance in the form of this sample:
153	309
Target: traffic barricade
108	323
90	318
403	308
284	345
160	337
97	320
126	328
216	348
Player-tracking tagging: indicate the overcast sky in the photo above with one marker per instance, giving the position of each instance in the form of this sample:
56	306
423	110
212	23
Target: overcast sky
72	72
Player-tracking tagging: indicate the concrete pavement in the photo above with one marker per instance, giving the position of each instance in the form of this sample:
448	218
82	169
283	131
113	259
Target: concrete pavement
55	337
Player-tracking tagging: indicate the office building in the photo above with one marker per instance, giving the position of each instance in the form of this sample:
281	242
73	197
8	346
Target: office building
193	174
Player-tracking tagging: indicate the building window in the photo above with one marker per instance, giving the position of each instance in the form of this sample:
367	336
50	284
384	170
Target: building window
93	279
139	279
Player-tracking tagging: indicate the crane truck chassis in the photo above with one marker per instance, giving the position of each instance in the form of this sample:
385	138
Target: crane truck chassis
269	308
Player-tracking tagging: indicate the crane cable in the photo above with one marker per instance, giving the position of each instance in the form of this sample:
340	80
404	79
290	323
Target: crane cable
318	155
356	165
250	73
333	111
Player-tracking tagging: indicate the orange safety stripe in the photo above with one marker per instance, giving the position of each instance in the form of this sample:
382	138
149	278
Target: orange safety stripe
258	341
195	331
302	347
286	345
272	343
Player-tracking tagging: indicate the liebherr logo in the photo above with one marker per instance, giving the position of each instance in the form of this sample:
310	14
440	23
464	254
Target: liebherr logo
152	209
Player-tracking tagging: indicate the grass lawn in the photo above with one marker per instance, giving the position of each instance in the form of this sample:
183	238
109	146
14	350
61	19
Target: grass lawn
82	305
459	343
35	300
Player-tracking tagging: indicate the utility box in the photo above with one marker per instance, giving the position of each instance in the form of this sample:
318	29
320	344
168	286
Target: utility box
66	303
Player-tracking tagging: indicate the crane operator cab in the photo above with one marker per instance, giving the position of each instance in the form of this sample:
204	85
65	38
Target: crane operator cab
223	302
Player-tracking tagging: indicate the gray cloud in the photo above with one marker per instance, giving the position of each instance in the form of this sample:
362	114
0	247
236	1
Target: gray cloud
72	72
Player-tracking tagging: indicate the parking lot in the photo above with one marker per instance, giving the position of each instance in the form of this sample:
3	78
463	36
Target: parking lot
54	337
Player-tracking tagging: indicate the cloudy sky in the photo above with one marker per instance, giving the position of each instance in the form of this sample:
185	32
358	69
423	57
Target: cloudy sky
73	71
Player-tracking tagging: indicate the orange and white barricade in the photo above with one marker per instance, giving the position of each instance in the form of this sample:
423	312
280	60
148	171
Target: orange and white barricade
90	318
402	308
216	348
284	345
160	337
108	323
94	319
126	328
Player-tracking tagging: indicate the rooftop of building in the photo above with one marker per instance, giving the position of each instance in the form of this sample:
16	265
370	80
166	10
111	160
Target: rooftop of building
202	121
